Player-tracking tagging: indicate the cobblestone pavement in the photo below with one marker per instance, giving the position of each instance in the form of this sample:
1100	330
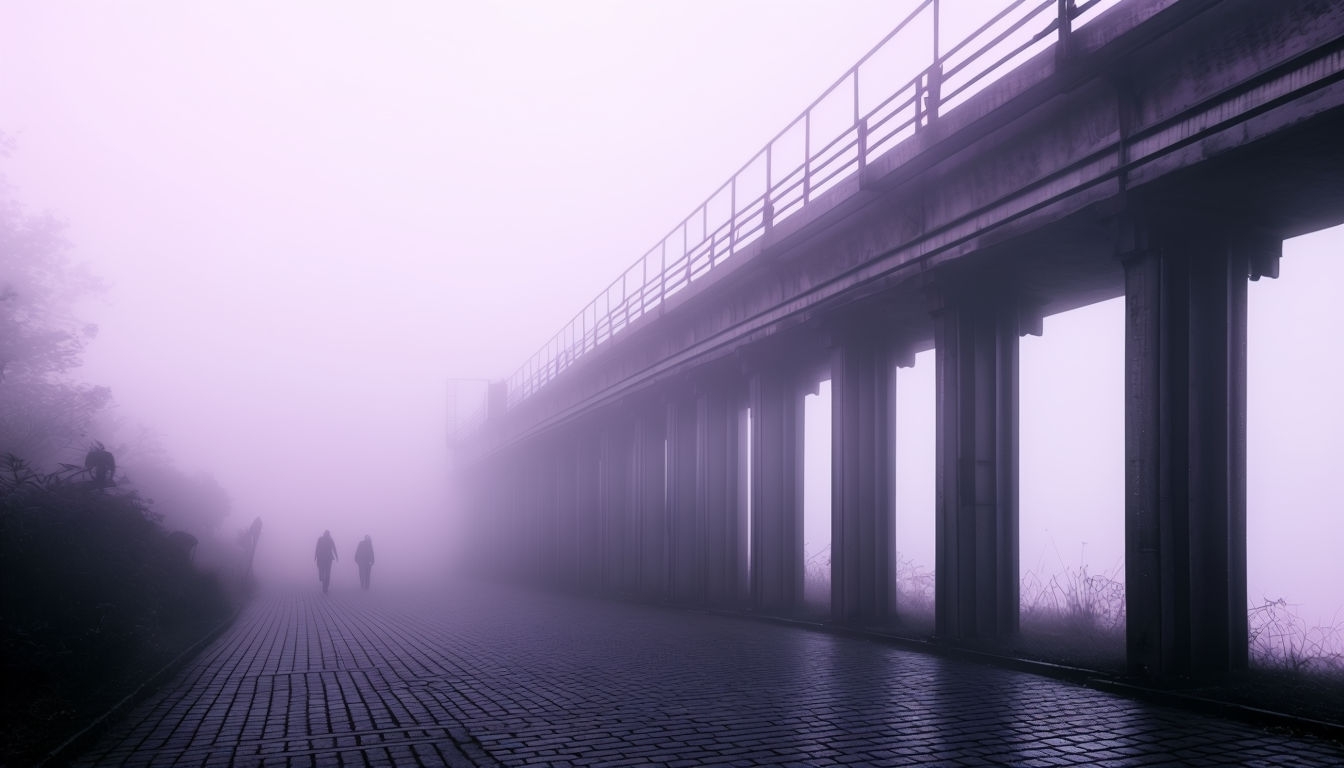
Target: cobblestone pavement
490	676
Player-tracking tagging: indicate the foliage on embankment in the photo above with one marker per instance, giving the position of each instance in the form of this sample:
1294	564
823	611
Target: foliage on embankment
94	596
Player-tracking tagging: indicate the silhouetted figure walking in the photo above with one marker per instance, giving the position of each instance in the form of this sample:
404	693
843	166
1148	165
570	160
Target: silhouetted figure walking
326	552
364	559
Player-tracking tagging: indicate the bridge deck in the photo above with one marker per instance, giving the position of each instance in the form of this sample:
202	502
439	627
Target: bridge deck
487	676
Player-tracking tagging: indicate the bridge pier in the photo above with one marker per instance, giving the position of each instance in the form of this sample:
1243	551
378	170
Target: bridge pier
1185	452
685	523
976	559
720	492
567	514
615	504
588	458
776	399
650	552
862	477
545	510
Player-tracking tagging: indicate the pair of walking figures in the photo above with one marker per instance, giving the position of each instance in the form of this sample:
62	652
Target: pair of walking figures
326	553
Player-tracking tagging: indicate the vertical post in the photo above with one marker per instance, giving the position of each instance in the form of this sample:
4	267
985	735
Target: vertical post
587	523
732	221
767	205
807	156
1185	433
614	501
717	508
650	556
704	221
862	514
856	95
689	258
862	147
976	589
686	526
776	489
1065	20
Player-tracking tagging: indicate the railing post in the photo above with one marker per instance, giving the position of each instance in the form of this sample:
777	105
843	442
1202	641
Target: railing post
919	99
933	88
704	235
768	207
662	276
732	217
1066	12
862	138
807	157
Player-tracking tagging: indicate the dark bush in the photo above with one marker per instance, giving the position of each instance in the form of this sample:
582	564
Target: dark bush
92	596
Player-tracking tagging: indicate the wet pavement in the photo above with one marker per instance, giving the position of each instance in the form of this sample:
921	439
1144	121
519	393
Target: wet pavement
485	675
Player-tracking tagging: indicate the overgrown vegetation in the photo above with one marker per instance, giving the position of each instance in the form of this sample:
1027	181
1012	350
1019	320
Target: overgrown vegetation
914	591
95	593
95	596
1280	639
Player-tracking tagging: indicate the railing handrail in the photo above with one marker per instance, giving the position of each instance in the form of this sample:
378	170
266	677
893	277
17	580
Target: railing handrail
783	195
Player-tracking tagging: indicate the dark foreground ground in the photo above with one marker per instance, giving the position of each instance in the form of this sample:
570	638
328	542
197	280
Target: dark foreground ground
488	676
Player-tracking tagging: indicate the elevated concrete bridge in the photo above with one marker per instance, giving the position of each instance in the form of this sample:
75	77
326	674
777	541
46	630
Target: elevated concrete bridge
1160	150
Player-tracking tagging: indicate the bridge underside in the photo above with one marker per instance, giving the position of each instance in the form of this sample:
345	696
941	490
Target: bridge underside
1164	160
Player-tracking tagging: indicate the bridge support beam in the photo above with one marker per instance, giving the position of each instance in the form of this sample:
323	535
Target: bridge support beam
567	515
976	558
687	545
862	507
776	489
544	508
720	493
616	502
588	455
1185	455
649	552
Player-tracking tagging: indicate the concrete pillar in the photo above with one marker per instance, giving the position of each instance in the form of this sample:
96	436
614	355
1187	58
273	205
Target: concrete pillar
589	523
776	400
545	521
1185	452
615	505
567	512
976	559
720	492
650	553
685	522
862	509
504	506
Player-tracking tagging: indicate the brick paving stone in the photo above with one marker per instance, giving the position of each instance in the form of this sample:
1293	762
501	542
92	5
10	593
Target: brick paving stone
474	675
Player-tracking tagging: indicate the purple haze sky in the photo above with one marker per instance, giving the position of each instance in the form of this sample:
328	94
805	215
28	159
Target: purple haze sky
312	214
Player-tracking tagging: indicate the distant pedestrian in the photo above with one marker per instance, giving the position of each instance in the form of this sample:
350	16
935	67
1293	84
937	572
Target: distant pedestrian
364	559
326	552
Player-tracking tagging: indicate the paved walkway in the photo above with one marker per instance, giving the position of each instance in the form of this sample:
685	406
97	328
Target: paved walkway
487	676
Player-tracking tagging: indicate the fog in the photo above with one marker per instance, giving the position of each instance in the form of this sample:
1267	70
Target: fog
311	217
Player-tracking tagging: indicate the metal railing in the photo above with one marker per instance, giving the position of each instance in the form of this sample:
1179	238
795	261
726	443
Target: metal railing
768	188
